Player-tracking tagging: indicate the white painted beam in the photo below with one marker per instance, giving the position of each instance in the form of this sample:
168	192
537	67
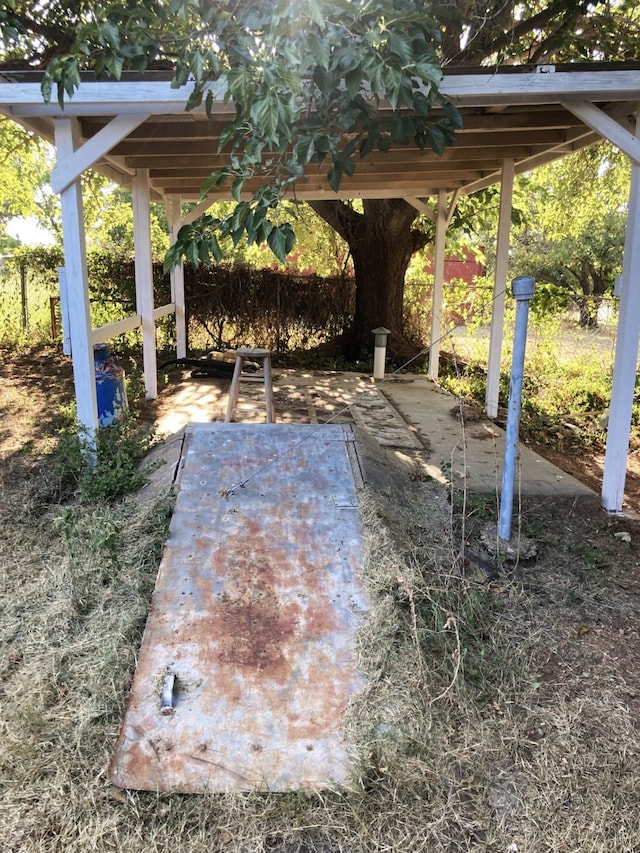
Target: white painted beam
144	279
164	310
626	356
525	88
77	284
455	196
105	98
613	130
422	206
72	166
173	210
438	283
203	206
127	324
496	334
158	98
112	330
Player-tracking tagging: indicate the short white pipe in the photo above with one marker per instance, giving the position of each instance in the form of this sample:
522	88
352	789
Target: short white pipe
380	351
379	359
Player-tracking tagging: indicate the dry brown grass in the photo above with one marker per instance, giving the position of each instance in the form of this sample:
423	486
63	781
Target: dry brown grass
497	713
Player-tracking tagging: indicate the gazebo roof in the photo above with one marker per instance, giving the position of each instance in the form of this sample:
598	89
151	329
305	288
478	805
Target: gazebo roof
137	132
528	114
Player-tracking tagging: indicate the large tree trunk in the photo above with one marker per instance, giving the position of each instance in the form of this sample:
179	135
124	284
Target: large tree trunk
382	242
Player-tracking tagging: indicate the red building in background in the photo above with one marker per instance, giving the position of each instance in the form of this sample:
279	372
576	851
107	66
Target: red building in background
467	268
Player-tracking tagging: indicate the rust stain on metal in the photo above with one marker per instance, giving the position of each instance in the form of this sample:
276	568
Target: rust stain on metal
254	613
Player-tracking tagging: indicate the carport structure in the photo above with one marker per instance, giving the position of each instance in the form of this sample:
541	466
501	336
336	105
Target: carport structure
136	132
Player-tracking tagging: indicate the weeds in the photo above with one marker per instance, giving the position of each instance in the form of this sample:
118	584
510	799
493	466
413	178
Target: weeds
111	471
497	714
566	390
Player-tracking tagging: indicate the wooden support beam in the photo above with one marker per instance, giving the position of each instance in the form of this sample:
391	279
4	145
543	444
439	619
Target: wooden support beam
156	148
626	356
422	206
617	133
188	126
496	334
112	330
77	282
468	90
144	280
86	155
408	157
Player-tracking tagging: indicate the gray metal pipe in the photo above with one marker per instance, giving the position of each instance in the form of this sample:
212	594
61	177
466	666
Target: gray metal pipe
523	287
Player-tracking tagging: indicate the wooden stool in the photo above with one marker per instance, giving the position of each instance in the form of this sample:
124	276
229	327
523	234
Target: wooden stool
249	354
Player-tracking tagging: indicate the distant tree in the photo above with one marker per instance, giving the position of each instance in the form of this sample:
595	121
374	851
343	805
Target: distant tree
8	243
26	161
110	217
572	239
25	164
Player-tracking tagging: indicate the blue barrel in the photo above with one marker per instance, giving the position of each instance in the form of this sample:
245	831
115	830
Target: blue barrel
110	390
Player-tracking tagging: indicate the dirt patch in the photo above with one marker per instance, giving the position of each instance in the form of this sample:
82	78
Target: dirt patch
586	464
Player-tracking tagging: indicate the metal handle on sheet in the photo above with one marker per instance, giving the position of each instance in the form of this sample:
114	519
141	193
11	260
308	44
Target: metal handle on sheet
166	697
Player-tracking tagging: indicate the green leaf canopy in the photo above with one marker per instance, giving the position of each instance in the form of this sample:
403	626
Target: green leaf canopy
307	81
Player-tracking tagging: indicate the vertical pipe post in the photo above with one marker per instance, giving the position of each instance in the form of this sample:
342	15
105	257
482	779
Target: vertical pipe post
379	351
522	288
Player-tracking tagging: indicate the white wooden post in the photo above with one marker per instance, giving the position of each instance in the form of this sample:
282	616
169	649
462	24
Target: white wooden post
77	282
144	279
626	359
438	279
64	312
177	279
496	333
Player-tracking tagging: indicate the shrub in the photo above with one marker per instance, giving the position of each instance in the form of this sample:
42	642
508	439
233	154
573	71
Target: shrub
109	470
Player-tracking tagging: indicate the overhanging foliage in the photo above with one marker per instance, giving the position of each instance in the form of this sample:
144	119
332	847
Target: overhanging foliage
305	90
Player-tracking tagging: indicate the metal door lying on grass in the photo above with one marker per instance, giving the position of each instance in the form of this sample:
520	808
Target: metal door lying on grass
248	658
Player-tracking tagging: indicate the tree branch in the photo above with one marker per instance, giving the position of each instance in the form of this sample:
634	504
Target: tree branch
485	41
340	216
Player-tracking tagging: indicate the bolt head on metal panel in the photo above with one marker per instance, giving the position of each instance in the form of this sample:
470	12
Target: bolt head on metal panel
523	287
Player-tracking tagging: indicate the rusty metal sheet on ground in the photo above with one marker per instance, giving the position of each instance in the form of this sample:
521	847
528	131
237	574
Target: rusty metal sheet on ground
248	658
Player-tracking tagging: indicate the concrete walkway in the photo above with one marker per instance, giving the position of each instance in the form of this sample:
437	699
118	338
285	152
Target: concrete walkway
470	446
409	415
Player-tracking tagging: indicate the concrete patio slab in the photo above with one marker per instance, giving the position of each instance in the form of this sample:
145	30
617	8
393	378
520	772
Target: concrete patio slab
408	414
